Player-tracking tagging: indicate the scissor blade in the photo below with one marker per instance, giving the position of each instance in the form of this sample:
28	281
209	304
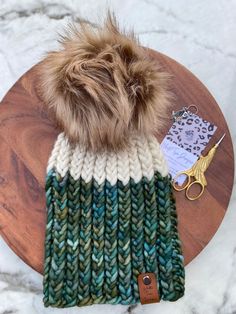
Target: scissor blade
220	140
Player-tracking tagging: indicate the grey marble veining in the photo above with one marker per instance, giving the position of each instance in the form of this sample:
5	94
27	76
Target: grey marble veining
199	34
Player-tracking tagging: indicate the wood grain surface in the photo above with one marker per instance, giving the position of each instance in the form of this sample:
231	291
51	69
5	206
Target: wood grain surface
26	139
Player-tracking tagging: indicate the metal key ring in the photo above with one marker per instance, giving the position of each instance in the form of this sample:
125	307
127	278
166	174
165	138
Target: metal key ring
193	106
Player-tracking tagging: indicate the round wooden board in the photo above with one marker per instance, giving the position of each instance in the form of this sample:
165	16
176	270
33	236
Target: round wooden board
26	139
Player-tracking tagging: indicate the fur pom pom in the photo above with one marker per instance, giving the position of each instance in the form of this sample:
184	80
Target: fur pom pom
101	87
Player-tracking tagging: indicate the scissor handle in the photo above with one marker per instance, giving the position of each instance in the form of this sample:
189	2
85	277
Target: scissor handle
183	186
192	198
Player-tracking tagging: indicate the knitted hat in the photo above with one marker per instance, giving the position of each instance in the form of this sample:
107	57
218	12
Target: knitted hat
111	213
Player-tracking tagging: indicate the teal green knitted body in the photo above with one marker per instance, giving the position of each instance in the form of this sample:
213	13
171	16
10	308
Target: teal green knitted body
101	235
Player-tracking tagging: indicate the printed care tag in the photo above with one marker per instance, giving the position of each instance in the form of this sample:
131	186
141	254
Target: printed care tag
185	141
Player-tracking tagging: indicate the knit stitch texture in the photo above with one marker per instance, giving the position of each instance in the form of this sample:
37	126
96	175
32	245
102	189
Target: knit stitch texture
110	217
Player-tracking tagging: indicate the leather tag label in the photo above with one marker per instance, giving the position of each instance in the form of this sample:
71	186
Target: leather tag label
147	284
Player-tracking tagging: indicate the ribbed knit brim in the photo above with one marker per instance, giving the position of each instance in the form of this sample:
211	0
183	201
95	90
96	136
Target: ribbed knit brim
110	217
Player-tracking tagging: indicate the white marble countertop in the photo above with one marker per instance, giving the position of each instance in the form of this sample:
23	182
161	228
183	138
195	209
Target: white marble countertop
199	34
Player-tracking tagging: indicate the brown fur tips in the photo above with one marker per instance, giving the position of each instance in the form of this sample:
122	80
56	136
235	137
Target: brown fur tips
102	86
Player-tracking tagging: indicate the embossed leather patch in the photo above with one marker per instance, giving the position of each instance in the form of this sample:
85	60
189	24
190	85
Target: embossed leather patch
147	284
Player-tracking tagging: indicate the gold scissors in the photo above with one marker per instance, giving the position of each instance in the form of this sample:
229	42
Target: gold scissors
197	172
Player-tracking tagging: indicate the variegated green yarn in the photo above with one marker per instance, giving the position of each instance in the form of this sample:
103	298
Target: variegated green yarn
106	226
